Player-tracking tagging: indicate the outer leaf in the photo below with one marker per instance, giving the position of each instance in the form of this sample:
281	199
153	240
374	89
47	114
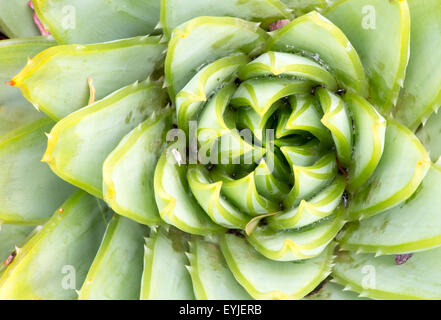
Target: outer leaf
402	167
413	226
334	48
116	271
430	136
301	7
418	278
12	236
422	94
79	144
175	12
16	19
268	279
212	280
128	171
29	191
380	32
333	291
84	21
165	275
56	80
43	268
203	40
15	111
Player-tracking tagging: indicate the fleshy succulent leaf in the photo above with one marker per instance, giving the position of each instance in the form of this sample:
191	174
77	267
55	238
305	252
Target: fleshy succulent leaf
23	202
44	269
203	40
212	280
56	80
121	253
421	94
402	167
381	278
16	19
410	227
15	111
85	22
128	170
80	143
333	48
268	279
165	250
175	12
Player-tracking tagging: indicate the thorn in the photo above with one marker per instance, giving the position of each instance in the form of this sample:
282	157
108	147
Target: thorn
61	210
92	91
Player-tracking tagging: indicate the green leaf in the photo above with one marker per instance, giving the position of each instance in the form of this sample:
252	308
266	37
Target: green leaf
191	99
262	95
269	279
175	203
208	194
317	36
421	94
29	191
402	167
16	19
95	21
369	135
15	110
287	65
308	181
165	275
308	212
56	80
430	135
116	271
413	226
11	236
43	268
296	244
203	40
128	171
305	116
212	280
80	143
301	7
175	12
334	291
380	33
381	278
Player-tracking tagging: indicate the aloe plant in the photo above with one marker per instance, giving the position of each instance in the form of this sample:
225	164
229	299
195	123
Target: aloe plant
283	149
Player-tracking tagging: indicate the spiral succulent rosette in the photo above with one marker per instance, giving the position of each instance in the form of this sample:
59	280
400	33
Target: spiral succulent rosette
215	159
